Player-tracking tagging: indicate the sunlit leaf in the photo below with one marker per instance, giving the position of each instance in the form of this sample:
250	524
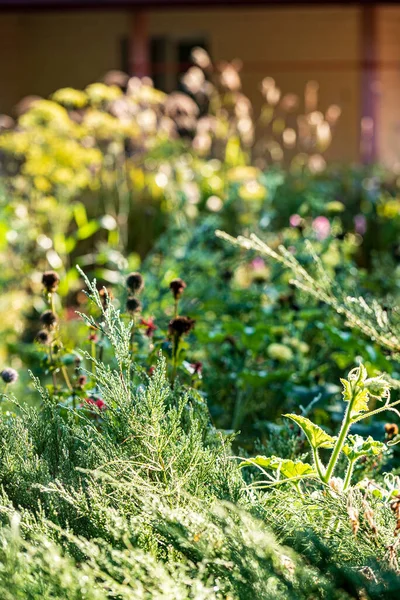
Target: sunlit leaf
317	437
287	468
356	446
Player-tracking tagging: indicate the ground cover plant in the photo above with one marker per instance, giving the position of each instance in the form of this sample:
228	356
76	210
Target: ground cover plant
185	414
139	494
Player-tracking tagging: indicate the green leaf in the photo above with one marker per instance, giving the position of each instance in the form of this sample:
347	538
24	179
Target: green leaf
360	403
356	447
347	390
317	437
288	468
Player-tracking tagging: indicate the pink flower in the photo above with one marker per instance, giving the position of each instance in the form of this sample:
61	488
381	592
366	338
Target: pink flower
322	227
295	220
258	264
101	405
360	224
150	327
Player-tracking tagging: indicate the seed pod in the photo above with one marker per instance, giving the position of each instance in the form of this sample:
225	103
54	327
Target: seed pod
135	283
9	375
48	318
50	280
177	286
133	305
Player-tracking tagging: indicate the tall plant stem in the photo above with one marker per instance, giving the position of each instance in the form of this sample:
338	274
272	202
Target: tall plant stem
346	424
318	464
174	359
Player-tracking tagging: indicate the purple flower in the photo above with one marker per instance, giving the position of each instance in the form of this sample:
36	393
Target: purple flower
360	224
322	227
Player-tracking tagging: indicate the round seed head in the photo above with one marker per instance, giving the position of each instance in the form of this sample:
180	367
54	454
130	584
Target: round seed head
133	305
50	280
43	337
48	319
135	283
9	375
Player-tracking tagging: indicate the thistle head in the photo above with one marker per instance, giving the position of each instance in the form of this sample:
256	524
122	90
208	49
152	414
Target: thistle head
133	305
180	326
50	280
48	319
9	375
135	283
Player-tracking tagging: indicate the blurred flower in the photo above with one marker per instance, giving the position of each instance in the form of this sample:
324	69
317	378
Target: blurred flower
229	77
360	224
98	402
150	327
133	305
391	430
9	375
48	318
43	337
201	58
335	206
180	326
50	280
295	220
177	286
135	283
280	352
322	227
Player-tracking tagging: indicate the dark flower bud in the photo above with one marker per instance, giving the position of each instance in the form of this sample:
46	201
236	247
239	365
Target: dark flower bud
177	286
133	305
180	326
391	430
82	379
9	375
50	280
43	337
135	283
49	319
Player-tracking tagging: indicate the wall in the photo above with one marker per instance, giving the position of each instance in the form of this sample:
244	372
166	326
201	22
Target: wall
388	115
41	52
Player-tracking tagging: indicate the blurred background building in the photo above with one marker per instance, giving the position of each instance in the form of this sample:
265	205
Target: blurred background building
351	50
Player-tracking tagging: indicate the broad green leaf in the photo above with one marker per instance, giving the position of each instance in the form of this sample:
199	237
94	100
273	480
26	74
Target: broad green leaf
357	394
360	403
288	468
317	437
356	446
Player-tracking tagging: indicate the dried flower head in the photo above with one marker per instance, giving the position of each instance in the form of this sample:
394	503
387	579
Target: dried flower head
9	375
43	337
180	326
135	283
50	280
391	430
177	286
48	319
133	305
